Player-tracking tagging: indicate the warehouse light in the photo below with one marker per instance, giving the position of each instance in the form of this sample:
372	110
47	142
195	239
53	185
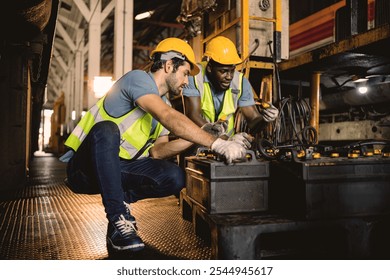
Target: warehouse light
360	80
361	85
101	85
144	15
362	89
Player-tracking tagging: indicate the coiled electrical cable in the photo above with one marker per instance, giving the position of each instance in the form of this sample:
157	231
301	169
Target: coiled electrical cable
290	130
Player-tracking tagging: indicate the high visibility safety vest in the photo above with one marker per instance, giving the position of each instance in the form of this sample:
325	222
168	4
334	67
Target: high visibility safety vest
230	99
137	129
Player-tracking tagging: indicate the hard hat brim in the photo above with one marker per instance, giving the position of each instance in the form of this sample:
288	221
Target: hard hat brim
195	69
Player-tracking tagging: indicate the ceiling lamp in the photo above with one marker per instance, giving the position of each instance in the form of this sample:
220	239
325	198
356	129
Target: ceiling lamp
360	80
144	15
362	89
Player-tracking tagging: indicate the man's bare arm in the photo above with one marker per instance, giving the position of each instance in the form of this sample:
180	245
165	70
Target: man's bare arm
174	121
253	117
164	149
193	109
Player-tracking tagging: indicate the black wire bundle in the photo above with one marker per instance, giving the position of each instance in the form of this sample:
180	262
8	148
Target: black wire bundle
292	127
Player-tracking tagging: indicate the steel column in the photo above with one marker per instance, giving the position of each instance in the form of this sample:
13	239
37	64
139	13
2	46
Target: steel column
244	29
123	37
315	100
94	47
79	76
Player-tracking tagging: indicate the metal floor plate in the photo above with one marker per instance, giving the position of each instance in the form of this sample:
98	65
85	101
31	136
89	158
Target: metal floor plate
47	221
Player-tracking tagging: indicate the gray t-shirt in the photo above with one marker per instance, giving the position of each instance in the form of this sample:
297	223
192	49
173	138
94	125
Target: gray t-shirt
121	97
124	93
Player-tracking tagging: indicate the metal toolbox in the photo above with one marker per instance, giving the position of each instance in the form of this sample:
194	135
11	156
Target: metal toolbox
221	188
331	188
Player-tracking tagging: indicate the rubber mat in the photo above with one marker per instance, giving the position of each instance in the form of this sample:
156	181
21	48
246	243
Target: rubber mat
45	220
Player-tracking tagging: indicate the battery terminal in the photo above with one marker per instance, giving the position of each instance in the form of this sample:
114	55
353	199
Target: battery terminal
301	154
353	155
316	155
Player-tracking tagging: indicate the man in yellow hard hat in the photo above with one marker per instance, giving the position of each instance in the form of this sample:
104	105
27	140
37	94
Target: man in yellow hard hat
219	89
119	146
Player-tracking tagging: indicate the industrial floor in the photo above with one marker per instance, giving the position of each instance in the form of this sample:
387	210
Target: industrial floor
47	221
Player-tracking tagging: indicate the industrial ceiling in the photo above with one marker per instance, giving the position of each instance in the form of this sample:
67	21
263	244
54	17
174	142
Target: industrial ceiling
340	64
146	34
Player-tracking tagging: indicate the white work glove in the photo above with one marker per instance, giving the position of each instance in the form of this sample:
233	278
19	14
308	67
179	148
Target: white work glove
229	149
216	129
270	113
242	138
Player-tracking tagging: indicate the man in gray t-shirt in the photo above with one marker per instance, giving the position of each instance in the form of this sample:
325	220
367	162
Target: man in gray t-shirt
119	146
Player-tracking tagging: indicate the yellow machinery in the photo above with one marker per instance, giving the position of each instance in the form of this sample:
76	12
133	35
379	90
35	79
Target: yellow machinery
259	29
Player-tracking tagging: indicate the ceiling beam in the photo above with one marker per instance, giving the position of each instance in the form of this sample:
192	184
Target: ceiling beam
66	21
61	62
66	37
83	9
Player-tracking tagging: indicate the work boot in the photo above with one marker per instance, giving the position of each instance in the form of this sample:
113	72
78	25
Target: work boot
122	234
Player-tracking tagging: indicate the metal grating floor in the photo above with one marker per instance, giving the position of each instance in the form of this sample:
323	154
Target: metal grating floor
46	221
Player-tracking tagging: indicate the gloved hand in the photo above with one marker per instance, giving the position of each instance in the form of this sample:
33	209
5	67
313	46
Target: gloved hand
231	150
216	129
242	138
270	113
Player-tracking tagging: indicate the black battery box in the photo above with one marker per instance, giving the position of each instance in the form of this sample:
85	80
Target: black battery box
331	187
221	188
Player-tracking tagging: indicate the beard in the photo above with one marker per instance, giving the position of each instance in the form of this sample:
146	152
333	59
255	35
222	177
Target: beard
173	88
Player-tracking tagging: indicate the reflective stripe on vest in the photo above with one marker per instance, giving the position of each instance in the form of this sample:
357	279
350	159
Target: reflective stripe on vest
230	99
135	128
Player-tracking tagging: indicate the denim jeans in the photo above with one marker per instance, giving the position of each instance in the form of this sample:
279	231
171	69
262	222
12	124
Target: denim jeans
97	168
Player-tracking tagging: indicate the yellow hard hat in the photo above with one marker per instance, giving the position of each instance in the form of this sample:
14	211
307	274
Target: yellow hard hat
180	46
222	50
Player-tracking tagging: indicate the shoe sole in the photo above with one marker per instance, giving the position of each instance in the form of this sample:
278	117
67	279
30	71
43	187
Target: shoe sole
133	248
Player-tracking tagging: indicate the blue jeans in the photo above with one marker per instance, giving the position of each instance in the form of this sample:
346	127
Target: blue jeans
97	168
